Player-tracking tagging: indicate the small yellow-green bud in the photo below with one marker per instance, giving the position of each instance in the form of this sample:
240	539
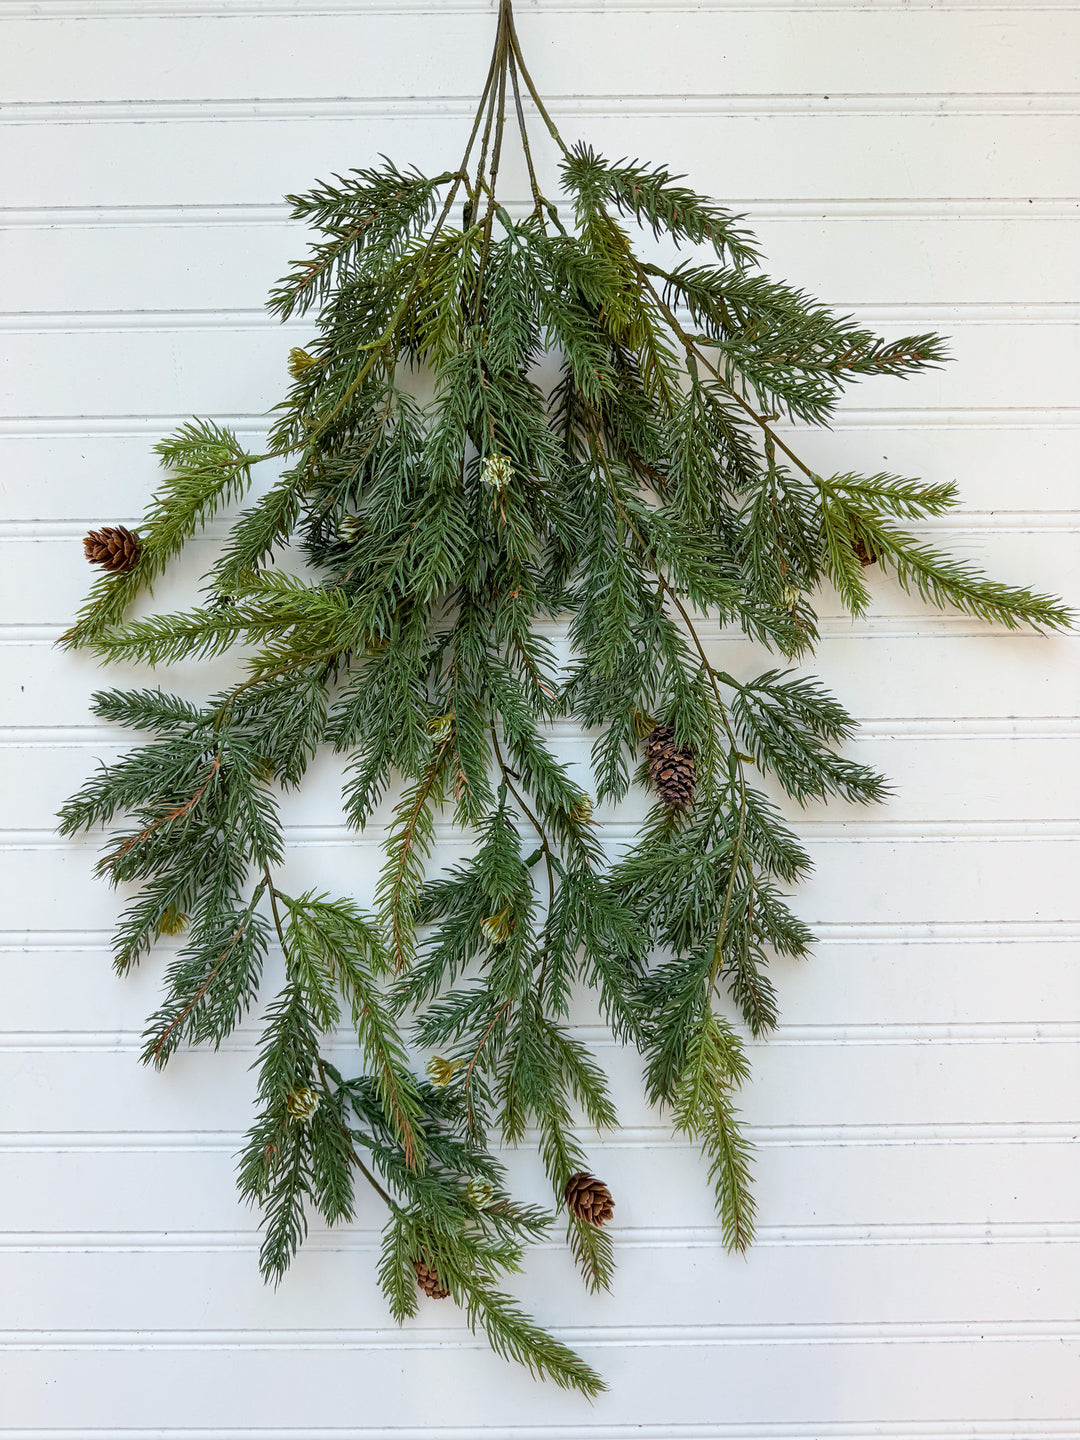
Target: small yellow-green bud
497	928
441	726
497	472
301	1104
643	724
299	361
440	1072
479	1192
172	922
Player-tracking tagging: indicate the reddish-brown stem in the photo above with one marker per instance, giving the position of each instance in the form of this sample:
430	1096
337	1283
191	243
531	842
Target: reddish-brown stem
176	813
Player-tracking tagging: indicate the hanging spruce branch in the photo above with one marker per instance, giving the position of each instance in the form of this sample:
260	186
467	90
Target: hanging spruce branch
647	489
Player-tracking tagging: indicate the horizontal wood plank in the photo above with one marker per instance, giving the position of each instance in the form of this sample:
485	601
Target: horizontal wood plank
832	1084
646	51
88	471
114	264
203	161
968	1378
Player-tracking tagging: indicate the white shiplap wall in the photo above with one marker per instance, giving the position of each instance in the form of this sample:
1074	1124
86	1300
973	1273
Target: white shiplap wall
917	1113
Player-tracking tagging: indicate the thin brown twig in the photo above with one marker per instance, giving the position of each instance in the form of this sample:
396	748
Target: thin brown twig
692	347
515	44
176	813
460	176
273	893
534	184
354	1154
501	51
468	1073
545	844
406	846
666	588
205	986
186	1011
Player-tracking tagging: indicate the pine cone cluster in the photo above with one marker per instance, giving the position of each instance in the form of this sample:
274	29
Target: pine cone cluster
427	1277
589	1199
113	547
671	767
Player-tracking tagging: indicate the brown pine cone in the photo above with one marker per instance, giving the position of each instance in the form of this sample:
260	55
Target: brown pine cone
589	1199
113	547
427	1277
671	767
864	553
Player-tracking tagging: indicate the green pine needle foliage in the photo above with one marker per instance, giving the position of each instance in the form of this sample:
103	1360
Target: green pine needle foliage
645	491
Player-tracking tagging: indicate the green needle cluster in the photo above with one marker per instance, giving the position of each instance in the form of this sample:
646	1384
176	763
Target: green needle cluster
645	489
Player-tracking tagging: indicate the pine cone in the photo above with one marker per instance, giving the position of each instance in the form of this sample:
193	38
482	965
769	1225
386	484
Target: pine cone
589	1199
865	555
113	547
427	1277
671	767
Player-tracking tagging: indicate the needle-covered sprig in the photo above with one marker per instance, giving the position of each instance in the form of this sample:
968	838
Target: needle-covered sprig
597	449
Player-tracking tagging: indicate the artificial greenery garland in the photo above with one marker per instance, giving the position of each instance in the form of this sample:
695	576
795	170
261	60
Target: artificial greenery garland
646	490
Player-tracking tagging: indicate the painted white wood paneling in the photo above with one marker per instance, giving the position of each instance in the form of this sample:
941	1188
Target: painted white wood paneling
139	367
49	578
1019	461
931	774
389	1387
653	50
162	1292
109	263
832	1084
223	155
814	1192
961	983
916	1114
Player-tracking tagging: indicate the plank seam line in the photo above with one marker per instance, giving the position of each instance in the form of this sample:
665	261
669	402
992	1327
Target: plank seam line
760	208
856	932
812	832
917	625
593	1336
853	417
1032	1132
216	110
356	1240
899	728
961	521
245	1039
876	313
713	1430
719	1430
230	9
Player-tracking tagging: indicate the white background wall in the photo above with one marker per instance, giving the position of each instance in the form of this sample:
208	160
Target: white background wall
919	1258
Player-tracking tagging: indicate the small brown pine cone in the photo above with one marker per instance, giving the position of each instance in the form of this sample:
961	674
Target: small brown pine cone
671	767
113	547
427	1277
864	553
589	1199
